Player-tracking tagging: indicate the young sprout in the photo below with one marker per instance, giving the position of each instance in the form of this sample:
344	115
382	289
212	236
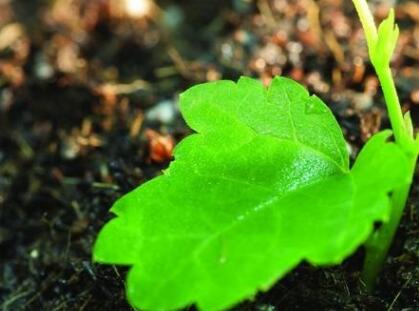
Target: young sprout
381	44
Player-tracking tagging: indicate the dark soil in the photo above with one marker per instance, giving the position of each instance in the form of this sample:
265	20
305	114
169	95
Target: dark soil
79	85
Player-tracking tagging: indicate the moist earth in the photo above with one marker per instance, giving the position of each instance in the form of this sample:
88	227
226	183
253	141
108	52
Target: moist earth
88	111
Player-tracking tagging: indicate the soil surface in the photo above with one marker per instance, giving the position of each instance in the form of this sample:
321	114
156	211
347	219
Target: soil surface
88	94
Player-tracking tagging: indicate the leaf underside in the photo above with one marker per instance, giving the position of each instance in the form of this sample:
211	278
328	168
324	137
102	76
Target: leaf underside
263	185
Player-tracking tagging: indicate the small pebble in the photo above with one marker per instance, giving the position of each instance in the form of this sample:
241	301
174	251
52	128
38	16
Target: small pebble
294	49
69	149
362	101
272	54
164	112
266	307
227	51
34	254
43	70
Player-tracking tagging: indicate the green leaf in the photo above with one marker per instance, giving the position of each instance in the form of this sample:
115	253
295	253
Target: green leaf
262	186
388	33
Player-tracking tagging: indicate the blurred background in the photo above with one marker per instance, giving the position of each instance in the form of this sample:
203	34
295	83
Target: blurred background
88	111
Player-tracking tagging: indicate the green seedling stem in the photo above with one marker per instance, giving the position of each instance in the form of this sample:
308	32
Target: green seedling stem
380	48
